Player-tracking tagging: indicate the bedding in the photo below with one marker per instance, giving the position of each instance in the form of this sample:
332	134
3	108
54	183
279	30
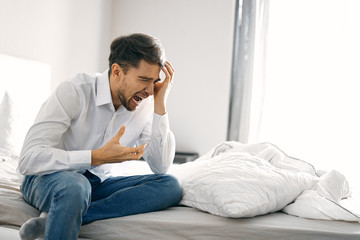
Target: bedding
246	180
190	223
13	209
180	223
186	222
237	182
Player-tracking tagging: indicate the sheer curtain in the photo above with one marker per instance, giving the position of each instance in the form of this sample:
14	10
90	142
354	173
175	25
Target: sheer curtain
248	67
307	99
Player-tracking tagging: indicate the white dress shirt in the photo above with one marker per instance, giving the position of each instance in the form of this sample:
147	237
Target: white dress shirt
80	117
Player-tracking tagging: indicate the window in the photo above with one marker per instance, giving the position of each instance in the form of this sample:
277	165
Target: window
311	106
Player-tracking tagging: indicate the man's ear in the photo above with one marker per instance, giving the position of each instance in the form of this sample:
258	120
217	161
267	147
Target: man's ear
116	70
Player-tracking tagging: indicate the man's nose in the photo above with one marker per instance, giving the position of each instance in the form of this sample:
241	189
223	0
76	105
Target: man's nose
150	89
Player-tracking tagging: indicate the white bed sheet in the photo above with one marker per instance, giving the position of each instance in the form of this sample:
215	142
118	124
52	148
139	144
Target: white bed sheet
190	223
12	233
180	223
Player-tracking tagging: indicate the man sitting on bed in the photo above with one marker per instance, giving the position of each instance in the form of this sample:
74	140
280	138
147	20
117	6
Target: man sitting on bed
87	125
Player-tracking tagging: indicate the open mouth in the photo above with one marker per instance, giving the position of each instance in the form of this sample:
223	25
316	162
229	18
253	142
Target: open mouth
137	99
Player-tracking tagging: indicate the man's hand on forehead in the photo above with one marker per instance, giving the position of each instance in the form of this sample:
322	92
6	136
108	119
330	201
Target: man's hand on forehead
162	88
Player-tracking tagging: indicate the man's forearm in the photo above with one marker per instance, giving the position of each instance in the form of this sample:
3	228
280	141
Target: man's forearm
159	108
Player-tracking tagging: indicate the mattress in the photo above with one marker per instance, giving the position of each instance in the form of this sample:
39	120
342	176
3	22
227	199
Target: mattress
189	223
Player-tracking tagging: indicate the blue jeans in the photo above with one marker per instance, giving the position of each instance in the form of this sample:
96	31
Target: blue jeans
72	199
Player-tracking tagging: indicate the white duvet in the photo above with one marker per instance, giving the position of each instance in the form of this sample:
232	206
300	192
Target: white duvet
245	180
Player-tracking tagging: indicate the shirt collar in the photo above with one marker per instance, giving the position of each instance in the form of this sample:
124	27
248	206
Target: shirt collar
103	93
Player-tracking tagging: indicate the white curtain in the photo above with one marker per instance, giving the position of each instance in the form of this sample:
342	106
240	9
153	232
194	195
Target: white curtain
307	98
248	67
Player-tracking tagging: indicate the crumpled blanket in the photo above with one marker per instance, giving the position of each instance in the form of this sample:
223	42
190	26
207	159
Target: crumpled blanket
329	199
270	181
244	180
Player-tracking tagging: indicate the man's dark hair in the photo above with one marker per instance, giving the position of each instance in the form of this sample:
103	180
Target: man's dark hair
128	51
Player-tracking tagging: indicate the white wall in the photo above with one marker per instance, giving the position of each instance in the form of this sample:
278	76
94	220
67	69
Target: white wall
74	36
197	36
63	33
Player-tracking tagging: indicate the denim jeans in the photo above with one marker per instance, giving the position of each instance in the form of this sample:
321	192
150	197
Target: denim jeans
72	199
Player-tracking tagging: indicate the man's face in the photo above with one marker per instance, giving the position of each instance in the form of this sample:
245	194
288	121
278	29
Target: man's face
137	84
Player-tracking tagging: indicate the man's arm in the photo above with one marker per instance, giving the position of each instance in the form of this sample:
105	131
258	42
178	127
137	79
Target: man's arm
162	142
41	152
160	151
162	89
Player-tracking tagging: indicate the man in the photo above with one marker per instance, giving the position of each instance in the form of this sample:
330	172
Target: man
87	125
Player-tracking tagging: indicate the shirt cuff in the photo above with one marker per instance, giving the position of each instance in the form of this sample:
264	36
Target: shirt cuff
161	125
80	160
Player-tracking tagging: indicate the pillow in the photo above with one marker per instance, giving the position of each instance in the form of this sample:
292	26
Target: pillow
6	141
238	184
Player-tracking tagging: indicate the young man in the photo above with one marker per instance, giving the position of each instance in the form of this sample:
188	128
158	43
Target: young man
87	125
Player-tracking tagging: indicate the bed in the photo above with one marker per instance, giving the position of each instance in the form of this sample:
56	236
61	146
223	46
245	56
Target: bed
235	191
190	220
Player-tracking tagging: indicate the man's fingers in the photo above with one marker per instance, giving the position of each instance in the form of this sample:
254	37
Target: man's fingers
135	153
119	134
134	150
166	72
136	156
172	70
168	76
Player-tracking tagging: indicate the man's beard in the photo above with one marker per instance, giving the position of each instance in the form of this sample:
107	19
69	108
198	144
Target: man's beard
124	102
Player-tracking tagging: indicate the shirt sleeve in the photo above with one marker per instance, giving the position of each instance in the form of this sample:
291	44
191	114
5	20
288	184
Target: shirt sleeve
160	150
42	152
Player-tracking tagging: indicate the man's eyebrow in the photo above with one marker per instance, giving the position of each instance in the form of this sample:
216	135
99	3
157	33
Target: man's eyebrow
147	78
